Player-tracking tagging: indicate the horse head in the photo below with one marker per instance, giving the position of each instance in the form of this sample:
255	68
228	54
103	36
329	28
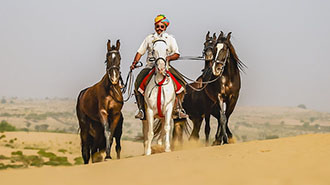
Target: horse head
159	54
208	51
113	62
222	53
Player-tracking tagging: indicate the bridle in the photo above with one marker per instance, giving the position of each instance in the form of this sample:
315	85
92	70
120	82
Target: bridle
222	62
210	46
114	66
159	58
117	68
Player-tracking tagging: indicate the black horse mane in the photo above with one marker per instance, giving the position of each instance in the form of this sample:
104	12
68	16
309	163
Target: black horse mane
237	62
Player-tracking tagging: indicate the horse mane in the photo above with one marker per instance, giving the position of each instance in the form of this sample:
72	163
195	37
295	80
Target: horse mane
233	55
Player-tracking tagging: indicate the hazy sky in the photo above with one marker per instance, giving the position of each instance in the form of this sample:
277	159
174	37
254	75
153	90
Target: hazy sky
56	48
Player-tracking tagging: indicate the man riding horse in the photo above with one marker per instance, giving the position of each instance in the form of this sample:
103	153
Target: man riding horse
161	24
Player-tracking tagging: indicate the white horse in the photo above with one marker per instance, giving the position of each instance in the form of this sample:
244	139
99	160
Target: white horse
159	98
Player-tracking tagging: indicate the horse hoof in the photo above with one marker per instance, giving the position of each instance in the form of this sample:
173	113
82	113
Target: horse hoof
216	143
232	140
107	157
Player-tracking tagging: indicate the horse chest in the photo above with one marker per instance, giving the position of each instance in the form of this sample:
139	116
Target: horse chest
111	104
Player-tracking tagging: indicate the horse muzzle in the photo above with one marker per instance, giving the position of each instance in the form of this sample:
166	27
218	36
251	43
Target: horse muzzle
217	68
208	55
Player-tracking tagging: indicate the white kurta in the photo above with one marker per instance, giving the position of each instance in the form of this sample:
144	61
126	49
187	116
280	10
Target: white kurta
147	45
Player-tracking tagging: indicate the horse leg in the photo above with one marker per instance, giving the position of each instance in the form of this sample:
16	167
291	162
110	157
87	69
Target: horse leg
216	114
113	122
197	126
231	105
207	128
150	135
85	144
221	135
162	133
167	128
117	135
107	133
85	137
145	130
178	132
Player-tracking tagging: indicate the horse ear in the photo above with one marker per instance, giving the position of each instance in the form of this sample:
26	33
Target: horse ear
228	36
109	45
214	37
117	44
221	35
207	35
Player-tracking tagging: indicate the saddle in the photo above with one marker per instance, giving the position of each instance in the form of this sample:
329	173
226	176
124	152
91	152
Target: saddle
177	86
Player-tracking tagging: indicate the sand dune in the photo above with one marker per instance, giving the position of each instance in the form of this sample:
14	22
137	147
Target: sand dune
296	160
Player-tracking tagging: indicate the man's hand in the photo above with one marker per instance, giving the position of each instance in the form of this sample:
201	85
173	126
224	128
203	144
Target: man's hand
132	66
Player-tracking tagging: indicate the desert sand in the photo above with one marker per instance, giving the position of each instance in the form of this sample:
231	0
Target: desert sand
296	160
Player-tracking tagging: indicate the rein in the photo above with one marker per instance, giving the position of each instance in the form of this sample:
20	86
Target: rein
129	82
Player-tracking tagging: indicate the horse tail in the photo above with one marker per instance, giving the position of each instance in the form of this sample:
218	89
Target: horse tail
184	125
78	111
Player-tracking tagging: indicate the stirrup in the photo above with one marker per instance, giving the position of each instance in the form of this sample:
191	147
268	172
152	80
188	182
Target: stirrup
139	114
179	114
182	114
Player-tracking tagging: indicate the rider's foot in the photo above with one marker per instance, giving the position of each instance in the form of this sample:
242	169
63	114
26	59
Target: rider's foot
179	113
140	115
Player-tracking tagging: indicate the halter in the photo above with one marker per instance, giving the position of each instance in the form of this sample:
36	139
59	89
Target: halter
115	67
208	47
159	58
223	62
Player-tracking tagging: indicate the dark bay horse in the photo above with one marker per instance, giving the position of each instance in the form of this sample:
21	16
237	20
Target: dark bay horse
99	110
196	101
230	84
218	98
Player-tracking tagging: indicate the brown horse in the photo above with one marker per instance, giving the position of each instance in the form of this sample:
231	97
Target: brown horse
99	110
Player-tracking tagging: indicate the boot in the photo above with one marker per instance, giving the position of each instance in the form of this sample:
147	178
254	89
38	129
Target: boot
178	111
140	103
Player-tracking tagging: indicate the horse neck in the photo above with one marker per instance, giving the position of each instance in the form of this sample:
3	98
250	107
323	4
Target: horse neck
106	82
231	70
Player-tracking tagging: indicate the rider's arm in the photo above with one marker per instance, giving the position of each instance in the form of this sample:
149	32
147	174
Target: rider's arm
174	49
136	60
173	57
141	51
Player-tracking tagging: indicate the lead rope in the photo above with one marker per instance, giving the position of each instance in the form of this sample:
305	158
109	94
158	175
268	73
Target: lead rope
130	81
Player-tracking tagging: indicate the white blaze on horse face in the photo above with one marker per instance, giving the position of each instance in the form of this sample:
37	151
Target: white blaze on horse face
114	77
216	67
219	47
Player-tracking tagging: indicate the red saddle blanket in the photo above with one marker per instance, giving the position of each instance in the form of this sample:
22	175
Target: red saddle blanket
145	81
143	85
